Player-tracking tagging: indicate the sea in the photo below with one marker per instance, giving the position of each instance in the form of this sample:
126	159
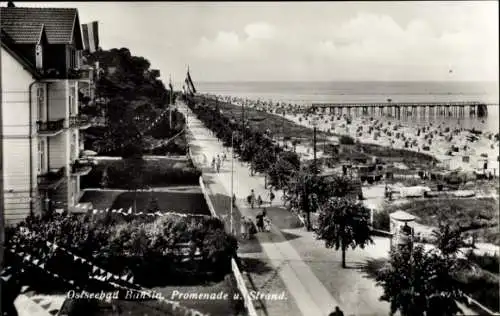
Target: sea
306	93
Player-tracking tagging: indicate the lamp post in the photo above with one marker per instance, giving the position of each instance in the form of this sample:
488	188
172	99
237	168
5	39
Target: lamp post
232	181
315	125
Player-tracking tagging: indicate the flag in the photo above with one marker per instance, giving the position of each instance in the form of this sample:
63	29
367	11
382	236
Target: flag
90	33
170	84
189	83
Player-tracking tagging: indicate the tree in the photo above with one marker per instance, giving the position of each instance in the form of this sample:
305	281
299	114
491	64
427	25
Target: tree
418	282
448	239
342	223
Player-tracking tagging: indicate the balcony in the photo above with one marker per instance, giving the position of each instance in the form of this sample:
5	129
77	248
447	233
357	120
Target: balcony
50	128
84	74
51	179
80	168
79	121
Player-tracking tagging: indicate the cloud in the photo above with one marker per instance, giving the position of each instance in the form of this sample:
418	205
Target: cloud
260	30
229	46
377	42
366	46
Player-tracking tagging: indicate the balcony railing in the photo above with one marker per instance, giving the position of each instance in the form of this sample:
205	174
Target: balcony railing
84	74
79	121
51	179
80	168
50	128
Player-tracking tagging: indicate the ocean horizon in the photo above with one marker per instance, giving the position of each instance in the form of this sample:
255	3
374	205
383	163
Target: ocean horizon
309	92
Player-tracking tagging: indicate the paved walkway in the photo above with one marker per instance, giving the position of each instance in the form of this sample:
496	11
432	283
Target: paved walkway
310	295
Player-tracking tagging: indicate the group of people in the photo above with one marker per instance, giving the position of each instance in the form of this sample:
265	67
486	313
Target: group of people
262	221
218	161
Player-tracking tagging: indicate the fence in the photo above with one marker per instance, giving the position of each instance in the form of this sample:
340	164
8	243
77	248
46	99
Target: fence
243	288
207	198
240	282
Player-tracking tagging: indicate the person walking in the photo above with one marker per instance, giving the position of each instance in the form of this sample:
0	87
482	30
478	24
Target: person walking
244	227
259	201
260	220
337	312
252	198
213	163
234	200
266	221
218	165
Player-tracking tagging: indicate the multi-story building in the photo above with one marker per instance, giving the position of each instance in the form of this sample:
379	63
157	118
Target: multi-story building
41	78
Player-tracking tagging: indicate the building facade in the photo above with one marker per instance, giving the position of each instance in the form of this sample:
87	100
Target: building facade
42	78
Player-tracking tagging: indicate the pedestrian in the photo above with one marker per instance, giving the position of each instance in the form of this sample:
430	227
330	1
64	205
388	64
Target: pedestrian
213	163
218	166
234	200
271	196
266	221
252	198
259	201
337	312
244	227
260	221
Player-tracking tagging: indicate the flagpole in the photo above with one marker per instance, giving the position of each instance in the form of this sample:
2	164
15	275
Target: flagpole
170	106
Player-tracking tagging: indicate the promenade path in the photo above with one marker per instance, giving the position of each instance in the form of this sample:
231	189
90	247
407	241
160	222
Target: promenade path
307	291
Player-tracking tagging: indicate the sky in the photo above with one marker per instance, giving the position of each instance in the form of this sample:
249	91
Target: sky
303	41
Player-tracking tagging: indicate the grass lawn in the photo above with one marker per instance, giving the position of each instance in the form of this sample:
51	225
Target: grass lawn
260	120
473	215
155	173
186	203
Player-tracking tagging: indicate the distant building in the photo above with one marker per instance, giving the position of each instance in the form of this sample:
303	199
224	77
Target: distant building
42	75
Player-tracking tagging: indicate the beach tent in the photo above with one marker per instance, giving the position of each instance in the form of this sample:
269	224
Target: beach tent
416	191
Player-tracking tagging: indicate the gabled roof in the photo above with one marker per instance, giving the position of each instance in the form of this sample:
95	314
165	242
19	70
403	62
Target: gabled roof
9	45
22	23
23	33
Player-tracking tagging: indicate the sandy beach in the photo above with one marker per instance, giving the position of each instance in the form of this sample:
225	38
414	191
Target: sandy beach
444	138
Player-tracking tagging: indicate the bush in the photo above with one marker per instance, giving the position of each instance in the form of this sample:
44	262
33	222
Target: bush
487	262
346	140
381	220
147	249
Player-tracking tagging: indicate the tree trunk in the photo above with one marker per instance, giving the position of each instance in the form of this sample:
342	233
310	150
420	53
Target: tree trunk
343	257
135	201
308	221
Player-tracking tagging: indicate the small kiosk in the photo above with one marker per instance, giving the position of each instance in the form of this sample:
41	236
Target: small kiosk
401	227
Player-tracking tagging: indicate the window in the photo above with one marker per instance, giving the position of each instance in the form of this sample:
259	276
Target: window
71	102
42	163
73	149
40	103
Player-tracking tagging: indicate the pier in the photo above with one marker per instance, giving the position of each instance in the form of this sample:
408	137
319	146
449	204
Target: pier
403	110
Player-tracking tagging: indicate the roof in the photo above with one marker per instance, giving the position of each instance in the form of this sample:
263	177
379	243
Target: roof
23	23
23	33
402	216
9	45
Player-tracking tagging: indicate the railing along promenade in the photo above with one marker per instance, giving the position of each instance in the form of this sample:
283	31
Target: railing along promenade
402	109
